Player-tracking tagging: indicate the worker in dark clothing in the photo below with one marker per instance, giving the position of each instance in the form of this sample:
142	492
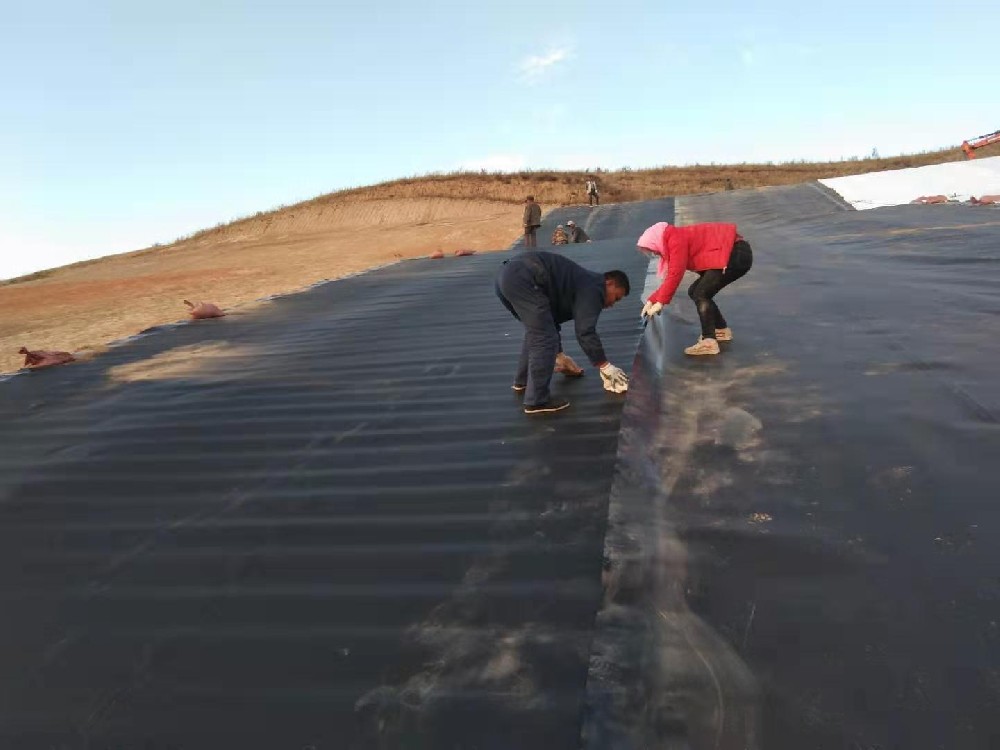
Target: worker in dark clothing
576	234
543	290
532	220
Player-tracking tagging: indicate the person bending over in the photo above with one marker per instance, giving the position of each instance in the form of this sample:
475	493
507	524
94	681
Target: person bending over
543	290
717	253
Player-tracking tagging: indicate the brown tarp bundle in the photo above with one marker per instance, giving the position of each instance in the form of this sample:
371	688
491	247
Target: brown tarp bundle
203	310
40	358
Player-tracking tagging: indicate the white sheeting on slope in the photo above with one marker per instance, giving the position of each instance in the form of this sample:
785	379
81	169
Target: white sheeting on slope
958	180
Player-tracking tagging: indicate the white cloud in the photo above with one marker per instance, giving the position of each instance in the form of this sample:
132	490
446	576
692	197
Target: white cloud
497	163
533	67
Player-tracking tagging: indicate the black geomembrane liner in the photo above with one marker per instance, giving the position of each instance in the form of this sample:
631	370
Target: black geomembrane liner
803	535
324	522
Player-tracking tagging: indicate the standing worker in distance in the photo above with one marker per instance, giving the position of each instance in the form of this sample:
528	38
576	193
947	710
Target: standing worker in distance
532	220
592	196
543	290
717	253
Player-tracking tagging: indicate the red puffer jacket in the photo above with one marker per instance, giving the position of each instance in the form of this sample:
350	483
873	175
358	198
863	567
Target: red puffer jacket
699	247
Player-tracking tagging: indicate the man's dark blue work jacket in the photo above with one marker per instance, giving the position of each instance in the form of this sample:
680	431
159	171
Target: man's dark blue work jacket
574	294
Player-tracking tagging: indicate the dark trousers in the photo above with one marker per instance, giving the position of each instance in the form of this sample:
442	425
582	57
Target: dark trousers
520	285
711	282
530	240
594	198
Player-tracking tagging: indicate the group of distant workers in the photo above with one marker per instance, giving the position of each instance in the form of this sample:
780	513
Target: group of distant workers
570	234
561	236
544	290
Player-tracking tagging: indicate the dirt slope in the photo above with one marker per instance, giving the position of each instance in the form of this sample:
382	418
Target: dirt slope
81	307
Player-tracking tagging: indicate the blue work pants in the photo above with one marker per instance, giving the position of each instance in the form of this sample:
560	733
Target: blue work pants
520	285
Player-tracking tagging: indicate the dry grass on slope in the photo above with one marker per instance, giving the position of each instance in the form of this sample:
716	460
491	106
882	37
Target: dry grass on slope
553	189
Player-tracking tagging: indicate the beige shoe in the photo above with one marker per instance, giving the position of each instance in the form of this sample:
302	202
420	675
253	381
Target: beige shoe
723	334
704	346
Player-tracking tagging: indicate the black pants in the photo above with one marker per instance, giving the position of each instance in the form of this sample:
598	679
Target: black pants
712	282
521	286
594	198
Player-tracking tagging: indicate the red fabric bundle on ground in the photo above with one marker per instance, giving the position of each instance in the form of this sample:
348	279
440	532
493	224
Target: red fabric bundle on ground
436	255
459	253
40	358
203	310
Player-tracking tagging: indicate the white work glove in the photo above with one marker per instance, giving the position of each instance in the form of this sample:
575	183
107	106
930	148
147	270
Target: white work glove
615	379
651	308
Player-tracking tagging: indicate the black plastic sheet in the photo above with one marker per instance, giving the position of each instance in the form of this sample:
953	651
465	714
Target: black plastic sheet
804	535
320	523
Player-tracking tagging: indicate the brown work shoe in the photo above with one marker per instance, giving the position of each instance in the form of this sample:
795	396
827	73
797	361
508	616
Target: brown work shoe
566	365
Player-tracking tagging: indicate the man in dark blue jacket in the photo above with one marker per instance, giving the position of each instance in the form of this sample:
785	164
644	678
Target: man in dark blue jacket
543	290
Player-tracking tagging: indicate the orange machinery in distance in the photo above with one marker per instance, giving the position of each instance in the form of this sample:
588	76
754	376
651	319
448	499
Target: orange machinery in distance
979	141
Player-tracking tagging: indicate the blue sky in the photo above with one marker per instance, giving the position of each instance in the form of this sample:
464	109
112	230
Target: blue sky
128	123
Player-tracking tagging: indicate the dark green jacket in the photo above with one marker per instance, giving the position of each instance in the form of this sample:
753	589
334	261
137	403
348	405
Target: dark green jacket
532	214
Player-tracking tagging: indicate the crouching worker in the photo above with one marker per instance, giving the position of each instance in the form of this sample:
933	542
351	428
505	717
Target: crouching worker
543	290
716	253
576	234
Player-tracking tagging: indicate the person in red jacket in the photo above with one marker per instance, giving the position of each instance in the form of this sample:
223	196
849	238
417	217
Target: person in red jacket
717	253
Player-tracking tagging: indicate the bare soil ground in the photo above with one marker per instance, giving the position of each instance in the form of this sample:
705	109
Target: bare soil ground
82	307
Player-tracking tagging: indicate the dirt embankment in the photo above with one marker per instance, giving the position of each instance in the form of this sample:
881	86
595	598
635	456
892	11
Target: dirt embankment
80	308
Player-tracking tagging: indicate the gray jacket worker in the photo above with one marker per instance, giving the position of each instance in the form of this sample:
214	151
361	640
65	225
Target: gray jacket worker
544	290
532	220
576	233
